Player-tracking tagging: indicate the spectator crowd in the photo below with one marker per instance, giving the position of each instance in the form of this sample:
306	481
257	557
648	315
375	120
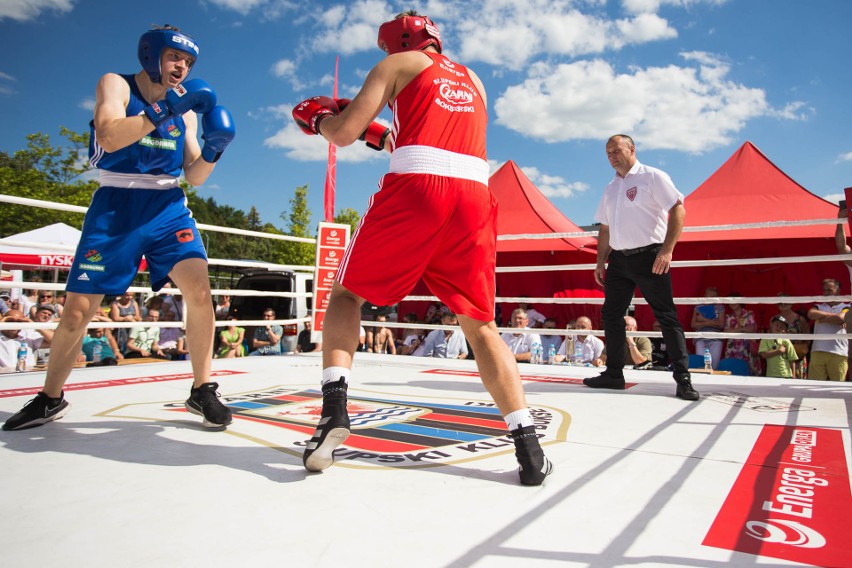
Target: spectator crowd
780	355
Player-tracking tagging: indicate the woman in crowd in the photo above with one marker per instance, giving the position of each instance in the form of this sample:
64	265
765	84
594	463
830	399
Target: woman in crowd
741	320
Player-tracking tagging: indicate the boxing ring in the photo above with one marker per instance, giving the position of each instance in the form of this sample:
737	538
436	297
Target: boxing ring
428	477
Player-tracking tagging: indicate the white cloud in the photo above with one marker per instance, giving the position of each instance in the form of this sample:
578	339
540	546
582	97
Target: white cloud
834	197
240	6
510	33
847	157
550	186
685	108
652	6
25	10
554	186
5	78
351	28
283	68
87	104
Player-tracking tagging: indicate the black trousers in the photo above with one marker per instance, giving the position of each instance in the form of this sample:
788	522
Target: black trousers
623	275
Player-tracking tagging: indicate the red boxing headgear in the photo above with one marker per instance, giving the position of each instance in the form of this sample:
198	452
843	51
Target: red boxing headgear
408	33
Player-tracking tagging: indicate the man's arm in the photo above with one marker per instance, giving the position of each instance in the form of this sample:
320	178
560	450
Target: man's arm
462	346
825	317
383	83
840	235
113	344
131	346
603	254
113	129
673	230
639	349
388	337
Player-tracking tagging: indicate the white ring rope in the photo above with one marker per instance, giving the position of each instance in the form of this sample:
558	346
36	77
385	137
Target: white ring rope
201	226
688	263
700	229
423	326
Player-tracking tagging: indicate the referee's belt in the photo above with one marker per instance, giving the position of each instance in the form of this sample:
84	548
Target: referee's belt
640	250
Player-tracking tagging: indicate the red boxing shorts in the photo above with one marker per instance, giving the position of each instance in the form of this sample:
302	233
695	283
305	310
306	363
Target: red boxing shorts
421	225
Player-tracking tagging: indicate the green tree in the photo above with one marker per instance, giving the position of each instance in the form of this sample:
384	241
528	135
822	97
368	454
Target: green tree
348	216
49	173
298	225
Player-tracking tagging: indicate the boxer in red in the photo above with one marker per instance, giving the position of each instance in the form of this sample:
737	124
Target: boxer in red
436	189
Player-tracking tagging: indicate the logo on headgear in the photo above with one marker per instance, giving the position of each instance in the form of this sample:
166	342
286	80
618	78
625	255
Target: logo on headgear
790	532
183	40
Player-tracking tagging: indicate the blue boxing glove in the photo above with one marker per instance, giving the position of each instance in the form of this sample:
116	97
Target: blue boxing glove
195	95
218	132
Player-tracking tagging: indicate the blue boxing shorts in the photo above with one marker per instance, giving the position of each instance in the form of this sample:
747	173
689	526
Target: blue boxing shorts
120	227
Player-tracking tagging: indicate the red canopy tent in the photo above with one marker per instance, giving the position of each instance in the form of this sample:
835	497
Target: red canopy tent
749	188
523	209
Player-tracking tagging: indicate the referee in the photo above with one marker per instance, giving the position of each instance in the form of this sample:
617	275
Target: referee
641	216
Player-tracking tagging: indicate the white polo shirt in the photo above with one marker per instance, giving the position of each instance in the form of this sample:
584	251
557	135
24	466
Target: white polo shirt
836	346
521	343
636	207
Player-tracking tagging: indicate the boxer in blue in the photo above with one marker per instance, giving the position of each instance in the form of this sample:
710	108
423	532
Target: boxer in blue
142	136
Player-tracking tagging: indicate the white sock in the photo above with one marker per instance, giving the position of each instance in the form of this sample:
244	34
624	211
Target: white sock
333	374
518	419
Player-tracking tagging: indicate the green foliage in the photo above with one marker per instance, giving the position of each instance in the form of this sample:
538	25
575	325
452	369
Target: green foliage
46	172
59	174
348	216
298	225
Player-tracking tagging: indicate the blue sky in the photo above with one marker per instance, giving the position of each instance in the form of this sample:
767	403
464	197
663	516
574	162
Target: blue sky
691	80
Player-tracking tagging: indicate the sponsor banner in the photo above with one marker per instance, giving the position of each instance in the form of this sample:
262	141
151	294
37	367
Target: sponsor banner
791	500
329	257
61	260
386	429
30	391
333	235
332	239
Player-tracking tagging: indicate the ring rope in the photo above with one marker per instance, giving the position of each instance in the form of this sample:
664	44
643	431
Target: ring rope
201	226
688	263
702	228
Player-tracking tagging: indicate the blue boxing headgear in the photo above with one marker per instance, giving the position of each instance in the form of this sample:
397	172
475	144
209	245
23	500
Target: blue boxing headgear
152	44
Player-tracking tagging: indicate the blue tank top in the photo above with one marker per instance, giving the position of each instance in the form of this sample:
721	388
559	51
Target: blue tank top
159	152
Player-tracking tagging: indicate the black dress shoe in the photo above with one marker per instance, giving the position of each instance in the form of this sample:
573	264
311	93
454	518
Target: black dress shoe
605	381
685	390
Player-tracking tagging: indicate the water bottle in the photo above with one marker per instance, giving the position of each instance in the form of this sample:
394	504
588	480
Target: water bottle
708	360
97	349
551	355
535	353
21	364
578	351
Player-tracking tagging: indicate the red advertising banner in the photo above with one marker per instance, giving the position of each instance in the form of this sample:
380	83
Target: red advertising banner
332	239
791	500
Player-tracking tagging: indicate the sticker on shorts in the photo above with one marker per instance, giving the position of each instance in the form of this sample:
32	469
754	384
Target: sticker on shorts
185	236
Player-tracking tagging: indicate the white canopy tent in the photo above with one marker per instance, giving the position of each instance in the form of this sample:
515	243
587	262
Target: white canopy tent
47	247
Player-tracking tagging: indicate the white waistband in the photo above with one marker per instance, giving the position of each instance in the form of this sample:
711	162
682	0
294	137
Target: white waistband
137	181
429	160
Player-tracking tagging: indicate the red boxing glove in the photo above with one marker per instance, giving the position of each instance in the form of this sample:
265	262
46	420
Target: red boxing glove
342	103
310	112
375	136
